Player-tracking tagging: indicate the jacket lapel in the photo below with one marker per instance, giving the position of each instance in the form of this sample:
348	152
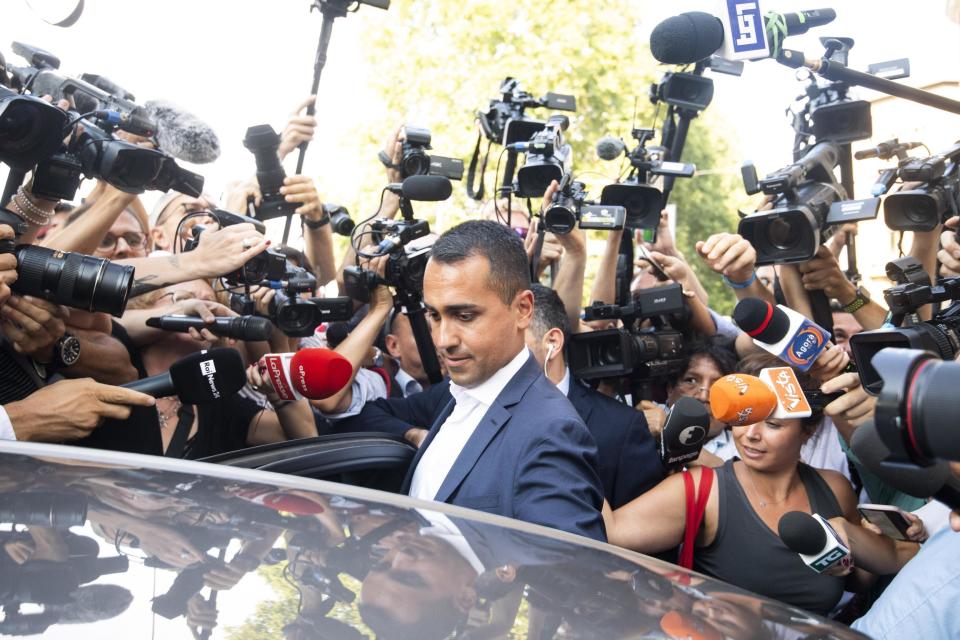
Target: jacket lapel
434	428
577	395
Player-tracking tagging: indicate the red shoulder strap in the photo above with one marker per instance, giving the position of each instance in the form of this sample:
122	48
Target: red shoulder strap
696	509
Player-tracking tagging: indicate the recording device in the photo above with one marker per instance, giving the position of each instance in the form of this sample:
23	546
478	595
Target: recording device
340	221
684	433
504	121
182	134
71	279
262	141
808	201
935	480
241	328
642	353
739	399
314	374
740	34
548	158
52	509
940	335
267	265
30	129
891	521
414	160
781	331
641	200
199	378
934	200
819	545
569	206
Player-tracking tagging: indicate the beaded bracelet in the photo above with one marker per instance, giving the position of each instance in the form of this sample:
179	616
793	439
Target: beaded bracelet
30	211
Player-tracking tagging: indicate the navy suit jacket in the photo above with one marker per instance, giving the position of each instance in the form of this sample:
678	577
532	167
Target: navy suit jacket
530	458
629	460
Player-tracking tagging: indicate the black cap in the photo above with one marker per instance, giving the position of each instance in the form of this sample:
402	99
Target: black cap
686	38
802	533
201	377
761	320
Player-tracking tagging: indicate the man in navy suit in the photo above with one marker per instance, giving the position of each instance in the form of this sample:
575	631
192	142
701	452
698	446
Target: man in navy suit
502	438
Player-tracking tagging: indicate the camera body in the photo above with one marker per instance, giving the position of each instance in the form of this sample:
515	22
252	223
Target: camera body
504	121
548	158
268	265
262	141
932	202
340	220
414	160
569	207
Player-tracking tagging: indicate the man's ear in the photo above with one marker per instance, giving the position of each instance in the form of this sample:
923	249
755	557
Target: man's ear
465	599
159	239
393	345
553	341
523	304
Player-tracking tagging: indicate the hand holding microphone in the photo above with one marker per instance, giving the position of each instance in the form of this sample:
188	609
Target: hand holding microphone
313	374
781	331
821	547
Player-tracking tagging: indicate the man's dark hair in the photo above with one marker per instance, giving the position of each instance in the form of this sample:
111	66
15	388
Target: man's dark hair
499	244
718	349
548	312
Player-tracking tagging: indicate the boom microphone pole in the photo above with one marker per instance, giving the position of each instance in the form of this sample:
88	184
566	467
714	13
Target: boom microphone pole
330	10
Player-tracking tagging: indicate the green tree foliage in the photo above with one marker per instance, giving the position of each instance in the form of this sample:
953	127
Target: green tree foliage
436	62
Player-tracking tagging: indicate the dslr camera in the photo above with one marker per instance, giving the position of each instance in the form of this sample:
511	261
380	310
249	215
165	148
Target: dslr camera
268	265
569	207
931	202
262	141
414	160
808	201
640	353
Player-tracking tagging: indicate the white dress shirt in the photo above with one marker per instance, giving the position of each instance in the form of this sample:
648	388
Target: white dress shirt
408	385
564	384
471	405
6	427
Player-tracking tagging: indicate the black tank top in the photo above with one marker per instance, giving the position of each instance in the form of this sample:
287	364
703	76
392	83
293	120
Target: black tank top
746	553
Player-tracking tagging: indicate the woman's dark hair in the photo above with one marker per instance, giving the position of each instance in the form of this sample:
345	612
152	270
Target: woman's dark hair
755	362
718	349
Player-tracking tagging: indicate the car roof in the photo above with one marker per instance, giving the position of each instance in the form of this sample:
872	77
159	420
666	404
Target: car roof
109	544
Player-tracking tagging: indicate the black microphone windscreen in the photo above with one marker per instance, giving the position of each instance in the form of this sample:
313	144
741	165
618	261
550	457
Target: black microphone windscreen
920	482
207	376
427	188
256	328
688	423
182	134
761	320
801	533
686	38
610	148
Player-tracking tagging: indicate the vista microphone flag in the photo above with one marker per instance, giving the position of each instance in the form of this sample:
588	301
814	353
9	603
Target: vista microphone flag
313	374
781	331
740	399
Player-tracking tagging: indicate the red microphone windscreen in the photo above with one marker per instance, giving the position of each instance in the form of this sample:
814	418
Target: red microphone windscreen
739	399
319	373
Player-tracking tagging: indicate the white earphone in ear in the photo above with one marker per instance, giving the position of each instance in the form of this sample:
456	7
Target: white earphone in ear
547	359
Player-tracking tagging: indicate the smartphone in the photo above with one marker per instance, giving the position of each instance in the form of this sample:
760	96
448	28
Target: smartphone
654	266
891	520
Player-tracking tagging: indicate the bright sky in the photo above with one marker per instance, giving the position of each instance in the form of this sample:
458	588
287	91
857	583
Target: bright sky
235	63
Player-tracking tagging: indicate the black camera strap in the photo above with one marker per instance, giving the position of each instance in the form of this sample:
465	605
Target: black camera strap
472	169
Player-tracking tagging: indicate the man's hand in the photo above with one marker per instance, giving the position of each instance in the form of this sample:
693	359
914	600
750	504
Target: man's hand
823	273
8	265
549	254
240	193
416	436
949	254
851	409
830	363
206	310
655	415
730	255
71	409
223	251
302	190
300	128
259	382
33	325
393	148
664	243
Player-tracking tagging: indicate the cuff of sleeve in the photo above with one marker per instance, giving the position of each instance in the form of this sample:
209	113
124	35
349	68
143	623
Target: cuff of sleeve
6	427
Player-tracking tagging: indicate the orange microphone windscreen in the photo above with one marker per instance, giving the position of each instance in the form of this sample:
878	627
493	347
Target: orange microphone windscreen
739	399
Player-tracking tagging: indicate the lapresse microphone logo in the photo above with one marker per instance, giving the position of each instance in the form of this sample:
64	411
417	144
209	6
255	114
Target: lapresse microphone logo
805	345
746	26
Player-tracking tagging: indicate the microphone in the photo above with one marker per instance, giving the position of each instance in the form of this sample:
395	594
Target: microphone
423	188
781	331
695	35
818	544
182	134
740	399
610	148
920	482
199	378
684	433
242	328
314	374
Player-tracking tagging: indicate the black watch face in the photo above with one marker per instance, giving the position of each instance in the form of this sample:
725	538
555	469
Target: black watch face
70	350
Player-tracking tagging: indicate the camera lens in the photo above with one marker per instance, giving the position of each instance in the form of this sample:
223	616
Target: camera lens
781	234
30	129
342	224
560	218
297	318
913	210
415	163
19	126
73	279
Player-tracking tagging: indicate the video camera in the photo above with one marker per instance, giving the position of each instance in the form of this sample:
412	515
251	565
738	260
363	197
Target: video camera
642	200
92	150
268	265
569	206
934	200
405	265
504	121
642	354
71	279
808	201
414	160
340	220
262	141
940	335
548	158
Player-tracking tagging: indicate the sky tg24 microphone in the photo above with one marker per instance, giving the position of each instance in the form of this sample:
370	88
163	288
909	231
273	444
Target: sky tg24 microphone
819	545
781	331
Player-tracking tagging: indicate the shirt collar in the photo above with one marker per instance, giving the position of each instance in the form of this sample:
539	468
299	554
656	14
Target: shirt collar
564	385
408	384
486	392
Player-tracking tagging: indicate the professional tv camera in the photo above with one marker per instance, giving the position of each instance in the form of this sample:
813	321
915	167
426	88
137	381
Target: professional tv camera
930	203
71	279
92	150
269	265
548	158
643	354
642	200
808	201
569	206
414	160
940	335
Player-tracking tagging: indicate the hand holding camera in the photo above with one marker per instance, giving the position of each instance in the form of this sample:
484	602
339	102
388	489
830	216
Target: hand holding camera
8	264
224	251
824	273
949	254
730	255
300	128
34	326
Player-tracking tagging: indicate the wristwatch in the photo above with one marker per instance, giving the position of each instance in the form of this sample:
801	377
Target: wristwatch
316	224
863	297
66	352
